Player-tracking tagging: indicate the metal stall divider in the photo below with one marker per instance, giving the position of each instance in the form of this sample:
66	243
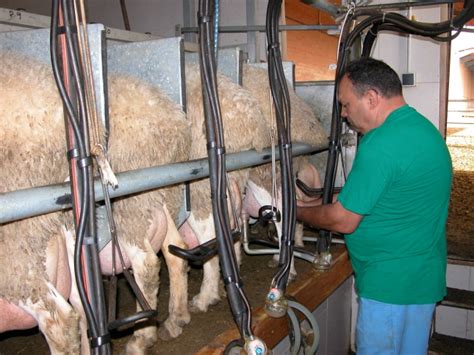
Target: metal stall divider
288	69
157	62
229	62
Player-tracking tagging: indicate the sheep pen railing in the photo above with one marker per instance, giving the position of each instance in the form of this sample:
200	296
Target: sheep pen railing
39	200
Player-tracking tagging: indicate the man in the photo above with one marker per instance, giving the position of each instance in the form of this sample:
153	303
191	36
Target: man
392	209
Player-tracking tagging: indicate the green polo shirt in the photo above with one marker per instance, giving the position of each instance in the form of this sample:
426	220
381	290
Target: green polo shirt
400	183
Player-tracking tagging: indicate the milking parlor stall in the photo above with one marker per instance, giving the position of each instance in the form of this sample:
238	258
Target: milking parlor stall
152	153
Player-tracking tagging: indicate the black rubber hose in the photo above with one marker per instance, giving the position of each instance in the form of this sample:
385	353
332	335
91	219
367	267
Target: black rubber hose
202	252
313	192
132	319
281	101
80	144
83	226
435	28
216	156
334	138
86	223
413	27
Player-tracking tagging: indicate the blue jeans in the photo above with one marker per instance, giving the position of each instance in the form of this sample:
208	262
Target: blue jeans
392	329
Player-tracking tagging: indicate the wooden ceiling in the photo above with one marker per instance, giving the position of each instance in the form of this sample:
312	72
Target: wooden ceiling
305	14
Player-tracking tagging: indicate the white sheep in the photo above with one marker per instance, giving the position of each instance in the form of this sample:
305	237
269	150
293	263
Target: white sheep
146	129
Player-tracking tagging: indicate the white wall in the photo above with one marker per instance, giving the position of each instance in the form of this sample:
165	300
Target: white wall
34	6
160	17
155	16
424	58
461	85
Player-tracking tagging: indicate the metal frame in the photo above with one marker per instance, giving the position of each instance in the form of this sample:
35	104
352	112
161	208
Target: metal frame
15	20
406	4
261	28
45	199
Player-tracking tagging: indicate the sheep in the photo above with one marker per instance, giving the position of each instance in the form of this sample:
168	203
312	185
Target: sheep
146	129
244	129
305	128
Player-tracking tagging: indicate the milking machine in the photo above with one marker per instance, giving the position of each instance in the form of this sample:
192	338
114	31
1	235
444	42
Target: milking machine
217	169
70	58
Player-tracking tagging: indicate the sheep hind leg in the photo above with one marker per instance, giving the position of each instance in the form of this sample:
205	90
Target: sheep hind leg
57	320
209	293
146	268
74	297
177	268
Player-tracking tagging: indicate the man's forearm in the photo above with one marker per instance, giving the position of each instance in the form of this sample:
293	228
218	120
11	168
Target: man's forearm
332	217
317	216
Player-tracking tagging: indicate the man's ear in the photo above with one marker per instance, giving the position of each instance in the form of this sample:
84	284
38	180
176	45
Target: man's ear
372	98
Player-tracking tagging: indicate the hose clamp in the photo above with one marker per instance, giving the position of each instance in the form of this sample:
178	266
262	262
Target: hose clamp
72	153
230	280
84	162
204	19
211	145
273	46
100	340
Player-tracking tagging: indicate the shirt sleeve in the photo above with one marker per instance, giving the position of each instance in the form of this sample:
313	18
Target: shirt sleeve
370	175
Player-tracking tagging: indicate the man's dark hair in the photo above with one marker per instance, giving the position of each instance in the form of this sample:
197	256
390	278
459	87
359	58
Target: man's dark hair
368	73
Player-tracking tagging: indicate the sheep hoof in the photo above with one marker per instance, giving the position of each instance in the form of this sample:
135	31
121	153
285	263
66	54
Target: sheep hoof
138	345
198	304
272	263
166	335
292	276
172	329
197	308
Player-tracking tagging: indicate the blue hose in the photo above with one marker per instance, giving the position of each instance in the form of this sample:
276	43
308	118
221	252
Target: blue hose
216	28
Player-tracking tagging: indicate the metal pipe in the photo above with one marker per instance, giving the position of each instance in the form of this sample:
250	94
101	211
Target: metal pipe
261	28
334	11
404	5
44	199
325	6
126	21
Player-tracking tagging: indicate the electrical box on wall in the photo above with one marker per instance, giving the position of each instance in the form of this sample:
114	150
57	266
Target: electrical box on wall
408	79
